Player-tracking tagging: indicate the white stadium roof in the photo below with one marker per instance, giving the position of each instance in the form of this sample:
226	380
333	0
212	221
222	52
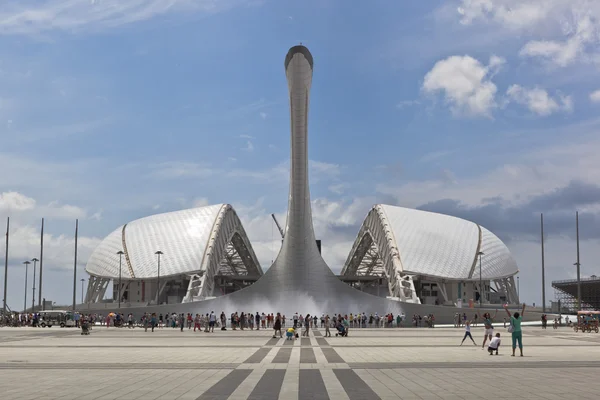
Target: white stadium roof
415	242
194	240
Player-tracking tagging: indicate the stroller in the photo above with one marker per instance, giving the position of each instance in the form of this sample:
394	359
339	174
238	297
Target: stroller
85	327
341	330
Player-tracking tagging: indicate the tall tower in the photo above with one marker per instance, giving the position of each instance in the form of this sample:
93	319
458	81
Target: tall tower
299	266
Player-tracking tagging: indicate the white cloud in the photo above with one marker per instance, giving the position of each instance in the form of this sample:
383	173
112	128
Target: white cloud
39	16
567	51
538	101
513	14
465	83
263	115
595	96
245	136
13	201
561	31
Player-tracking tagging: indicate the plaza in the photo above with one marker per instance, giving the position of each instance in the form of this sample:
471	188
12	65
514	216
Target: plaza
394	363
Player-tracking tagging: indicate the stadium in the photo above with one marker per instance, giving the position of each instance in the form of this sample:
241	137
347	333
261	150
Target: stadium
403	260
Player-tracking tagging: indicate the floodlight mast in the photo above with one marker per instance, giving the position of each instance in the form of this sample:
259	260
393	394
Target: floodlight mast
278	226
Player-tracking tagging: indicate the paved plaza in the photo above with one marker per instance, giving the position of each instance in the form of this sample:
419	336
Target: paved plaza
369	364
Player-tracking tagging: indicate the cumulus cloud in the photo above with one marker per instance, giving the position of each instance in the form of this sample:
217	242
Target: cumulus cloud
567	51
562	32
13	201
465	83
538	101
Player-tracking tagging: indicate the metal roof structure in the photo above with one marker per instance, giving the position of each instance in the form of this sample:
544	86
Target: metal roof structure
205	240
396	241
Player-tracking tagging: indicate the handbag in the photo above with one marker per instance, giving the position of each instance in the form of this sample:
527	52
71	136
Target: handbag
511	327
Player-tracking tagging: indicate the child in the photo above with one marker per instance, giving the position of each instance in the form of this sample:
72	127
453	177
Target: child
290	334
494	344
468	333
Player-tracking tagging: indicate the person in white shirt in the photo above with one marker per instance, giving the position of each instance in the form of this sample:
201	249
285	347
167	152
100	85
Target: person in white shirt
494	344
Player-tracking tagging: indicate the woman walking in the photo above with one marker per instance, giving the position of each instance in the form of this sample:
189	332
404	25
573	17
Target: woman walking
306	325
277	326
515	329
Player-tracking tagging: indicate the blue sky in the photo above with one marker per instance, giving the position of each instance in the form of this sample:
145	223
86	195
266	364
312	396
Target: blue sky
114	110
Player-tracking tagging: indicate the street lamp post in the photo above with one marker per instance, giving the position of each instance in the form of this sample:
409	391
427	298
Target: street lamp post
82	280
120	253
26	272
158	254
518	289
481	253
35	260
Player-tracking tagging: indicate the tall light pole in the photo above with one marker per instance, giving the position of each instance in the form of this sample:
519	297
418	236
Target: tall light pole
481	253
35	260
518	289
26	273
120	253
158	254
578	263
82	280
543	269
75	267
41	305
6	266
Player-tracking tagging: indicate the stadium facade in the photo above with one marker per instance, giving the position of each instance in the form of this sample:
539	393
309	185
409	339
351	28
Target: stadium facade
403	260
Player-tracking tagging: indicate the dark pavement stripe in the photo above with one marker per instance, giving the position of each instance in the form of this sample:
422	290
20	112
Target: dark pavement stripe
304	341
307	355
226	386
258	356
317	333
311	385
355	387
331	355
322	341
269	385
272	342
289	342
283	355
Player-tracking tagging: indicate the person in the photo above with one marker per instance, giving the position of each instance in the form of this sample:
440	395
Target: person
277	325
290	334
468	333
257	318
489	328
544	321
153	321
327	325
181	322
515	324
307	320
296	320
494	344
212	319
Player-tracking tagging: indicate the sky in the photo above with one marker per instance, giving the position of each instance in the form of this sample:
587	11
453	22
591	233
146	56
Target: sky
112	110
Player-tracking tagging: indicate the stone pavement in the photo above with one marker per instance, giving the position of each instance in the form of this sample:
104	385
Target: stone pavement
422	363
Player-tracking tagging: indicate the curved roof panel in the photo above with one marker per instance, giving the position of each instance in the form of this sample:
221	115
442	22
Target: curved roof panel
433	244
416	242
496	261
185	237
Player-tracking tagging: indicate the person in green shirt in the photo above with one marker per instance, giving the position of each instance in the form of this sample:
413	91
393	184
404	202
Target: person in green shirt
517	334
